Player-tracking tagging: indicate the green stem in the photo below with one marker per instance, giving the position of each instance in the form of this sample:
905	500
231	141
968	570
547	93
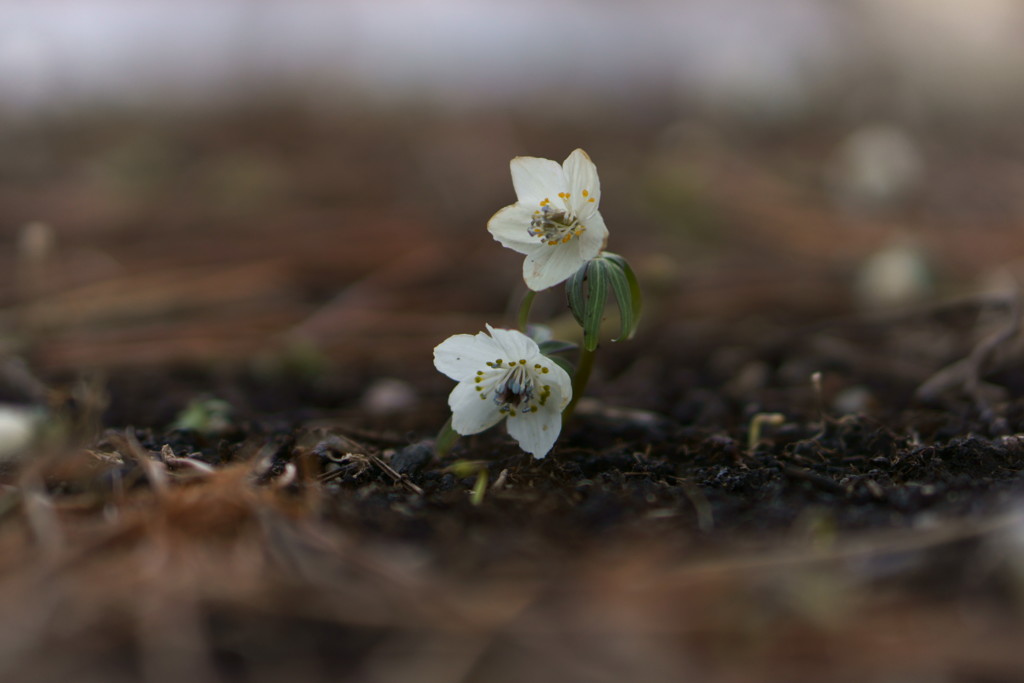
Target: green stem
446	438
579	381
524	310
480	487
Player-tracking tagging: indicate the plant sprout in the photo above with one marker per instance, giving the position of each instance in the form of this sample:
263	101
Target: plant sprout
505	374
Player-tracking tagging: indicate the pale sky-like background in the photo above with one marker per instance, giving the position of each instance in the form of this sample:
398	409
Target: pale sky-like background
776	57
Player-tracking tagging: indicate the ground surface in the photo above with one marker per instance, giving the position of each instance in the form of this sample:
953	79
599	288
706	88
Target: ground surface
775	480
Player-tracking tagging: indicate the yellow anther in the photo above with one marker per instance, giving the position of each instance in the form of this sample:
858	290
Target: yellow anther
522	362
586	193
544	370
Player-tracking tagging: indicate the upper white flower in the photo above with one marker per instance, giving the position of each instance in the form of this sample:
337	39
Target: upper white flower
555	221
502	373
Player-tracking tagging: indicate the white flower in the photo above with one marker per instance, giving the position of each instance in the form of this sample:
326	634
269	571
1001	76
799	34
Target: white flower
502	373
555	221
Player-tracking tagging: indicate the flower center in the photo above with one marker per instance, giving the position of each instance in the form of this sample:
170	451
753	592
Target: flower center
554	226
513	386
516	388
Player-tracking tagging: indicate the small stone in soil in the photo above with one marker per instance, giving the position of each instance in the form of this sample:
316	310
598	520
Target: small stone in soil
411	459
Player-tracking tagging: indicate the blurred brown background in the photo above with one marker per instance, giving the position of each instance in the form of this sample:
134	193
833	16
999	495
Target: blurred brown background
226	180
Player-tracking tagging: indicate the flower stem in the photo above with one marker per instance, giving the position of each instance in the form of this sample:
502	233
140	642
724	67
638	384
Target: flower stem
579	382
446	438
524	310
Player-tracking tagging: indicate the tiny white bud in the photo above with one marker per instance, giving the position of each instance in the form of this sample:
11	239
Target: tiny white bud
18	428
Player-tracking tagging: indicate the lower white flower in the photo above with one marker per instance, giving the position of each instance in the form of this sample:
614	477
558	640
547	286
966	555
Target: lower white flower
502	373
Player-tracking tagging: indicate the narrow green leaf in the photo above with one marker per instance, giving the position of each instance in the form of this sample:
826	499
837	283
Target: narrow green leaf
564	364
636	300
620	288
466	468
479	487
446	438
556	346
597	295
574	292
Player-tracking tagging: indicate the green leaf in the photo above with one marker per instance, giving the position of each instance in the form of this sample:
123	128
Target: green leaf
446	438
564	363
593	309
620	288
466	468
479	487
587	294
206	415
631	299
555	346
574	292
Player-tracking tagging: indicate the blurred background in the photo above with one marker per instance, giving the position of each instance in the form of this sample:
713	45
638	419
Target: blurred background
197	194
241	181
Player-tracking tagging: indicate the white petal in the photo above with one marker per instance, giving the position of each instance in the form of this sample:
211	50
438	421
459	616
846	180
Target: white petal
537	179
554	264
536	432
515	345
510	227
561	386
462	355
594	238
584	185
470	413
